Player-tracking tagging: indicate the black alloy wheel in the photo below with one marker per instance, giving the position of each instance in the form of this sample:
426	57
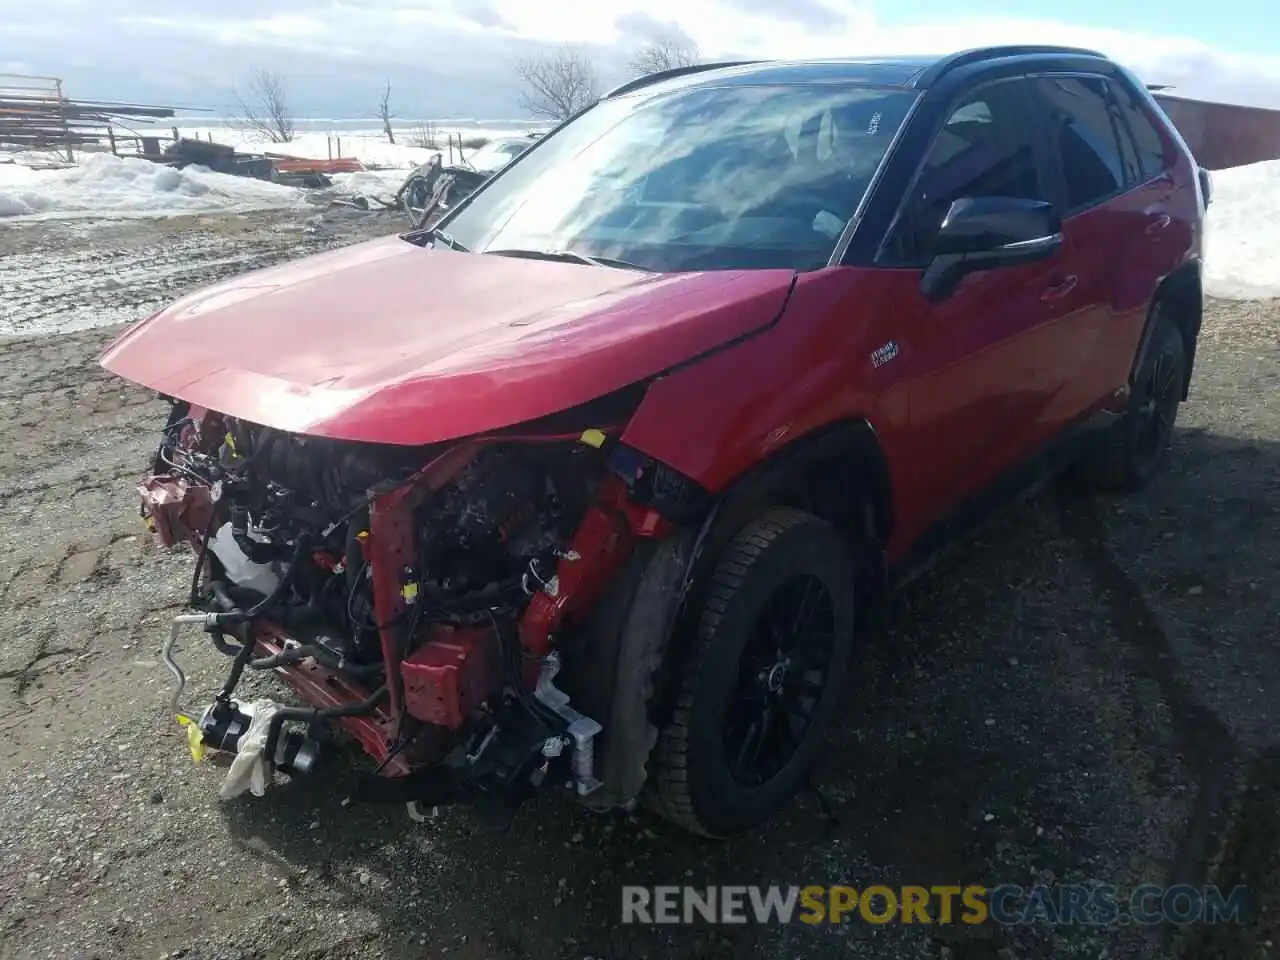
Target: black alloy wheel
1131	452
773	641
1159	394
780	680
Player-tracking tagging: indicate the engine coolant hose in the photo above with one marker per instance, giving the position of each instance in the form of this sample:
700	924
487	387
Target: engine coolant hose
312	714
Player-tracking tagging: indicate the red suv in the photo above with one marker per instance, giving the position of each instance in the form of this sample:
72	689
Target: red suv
590	484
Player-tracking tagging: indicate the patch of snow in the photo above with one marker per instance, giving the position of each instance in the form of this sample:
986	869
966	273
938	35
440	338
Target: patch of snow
368	147
1242	233
369	183
107	186
35	158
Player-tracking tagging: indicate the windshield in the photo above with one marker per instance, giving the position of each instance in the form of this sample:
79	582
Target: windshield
735	177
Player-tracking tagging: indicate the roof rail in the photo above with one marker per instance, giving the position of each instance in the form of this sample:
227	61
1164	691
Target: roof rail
640	82
978	54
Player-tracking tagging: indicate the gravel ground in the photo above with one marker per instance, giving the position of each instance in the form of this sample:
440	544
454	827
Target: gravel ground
64	275
1087	691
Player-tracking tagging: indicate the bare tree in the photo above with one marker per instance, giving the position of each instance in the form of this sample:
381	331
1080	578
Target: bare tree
557	83
384	111
665	53
264	106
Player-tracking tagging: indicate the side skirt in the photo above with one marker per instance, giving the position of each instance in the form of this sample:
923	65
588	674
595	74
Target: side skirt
1016	485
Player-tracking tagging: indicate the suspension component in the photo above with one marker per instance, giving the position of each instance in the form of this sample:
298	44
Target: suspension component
580	729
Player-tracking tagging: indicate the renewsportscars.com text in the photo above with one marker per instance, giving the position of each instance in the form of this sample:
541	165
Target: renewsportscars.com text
1008	904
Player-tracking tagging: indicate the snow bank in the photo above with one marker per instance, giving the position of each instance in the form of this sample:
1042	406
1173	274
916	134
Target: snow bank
107	186
1242	233
369	145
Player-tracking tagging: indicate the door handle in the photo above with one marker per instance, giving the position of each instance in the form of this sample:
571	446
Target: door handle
1158	224
1060	289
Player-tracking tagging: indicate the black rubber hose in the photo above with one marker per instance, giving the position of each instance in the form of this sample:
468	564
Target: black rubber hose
312	714
289	616
194	599
299	549
243	655
283	658
235	615
223	598
219	641
237	669
362	671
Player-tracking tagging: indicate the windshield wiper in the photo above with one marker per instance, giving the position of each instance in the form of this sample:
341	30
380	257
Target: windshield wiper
448	241
569	256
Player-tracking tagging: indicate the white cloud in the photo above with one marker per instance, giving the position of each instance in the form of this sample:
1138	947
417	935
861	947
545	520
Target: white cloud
1193	66
456	56
758	27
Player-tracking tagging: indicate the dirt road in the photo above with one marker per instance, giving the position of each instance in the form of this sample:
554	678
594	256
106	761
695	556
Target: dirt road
64	275
1089	691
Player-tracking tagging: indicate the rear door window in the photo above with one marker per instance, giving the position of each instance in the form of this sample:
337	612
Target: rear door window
1087	134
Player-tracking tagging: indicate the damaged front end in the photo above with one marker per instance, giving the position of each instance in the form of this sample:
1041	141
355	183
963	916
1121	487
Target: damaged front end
413	596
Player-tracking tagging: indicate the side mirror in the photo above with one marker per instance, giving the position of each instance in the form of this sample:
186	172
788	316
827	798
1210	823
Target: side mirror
985	233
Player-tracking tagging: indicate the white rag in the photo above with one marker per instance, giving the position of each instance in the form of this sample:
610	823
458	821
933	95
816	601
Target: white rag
251	769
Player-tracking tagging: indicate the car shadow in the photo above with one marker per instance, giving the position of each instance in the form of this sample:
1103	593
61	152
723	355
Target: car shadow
1033	709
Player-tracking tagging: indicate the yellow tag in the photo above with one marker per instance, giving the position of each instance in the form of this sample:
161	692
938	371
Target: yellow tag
410	592
593	437
195	737
231	444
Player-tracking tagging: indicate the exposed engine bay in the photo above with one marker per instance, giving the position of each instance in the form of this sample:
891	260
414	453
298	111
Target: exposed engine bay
410	595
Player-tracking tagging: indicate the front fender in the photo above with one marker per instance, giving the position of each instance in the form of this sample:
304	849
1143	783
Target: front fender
719	416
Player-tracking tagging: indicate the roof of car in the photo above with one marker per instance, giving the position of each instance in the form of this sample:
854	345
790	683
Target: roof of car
909	72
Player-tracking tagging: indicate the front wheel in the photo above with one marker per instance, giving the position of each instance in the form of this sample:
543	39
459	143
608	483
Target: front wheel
770	655
1133	450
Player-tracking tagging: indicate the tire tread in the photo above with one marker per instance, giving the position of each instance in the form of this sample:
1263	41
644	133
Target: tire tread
672	797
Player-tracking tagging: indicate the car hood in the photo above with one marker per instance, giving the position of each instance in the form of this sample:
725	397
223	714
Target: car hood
386	341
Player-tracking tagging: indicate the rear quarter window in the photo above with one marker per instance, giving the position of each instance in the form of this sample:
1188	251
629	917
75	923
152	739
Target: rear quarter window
1146	138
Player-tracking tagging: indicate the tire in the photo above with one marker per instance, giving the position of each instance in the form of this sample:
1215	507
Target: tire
611	664
702	774
1132	451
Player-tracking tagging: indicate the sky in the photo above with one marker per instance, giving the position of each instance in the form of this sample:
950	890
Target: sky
456	58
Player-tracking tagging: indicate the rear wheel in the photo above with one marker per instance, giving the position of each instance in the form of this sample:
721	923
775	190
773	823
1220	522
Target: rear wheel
1133	450
771	652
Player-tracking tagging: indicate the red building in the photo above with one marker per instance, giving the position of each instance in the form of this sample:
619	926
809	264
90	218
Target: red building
1222	134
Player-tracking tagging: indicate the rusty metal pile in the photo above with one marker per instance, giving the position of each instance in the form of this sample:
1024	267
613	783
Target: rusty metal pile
36	114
